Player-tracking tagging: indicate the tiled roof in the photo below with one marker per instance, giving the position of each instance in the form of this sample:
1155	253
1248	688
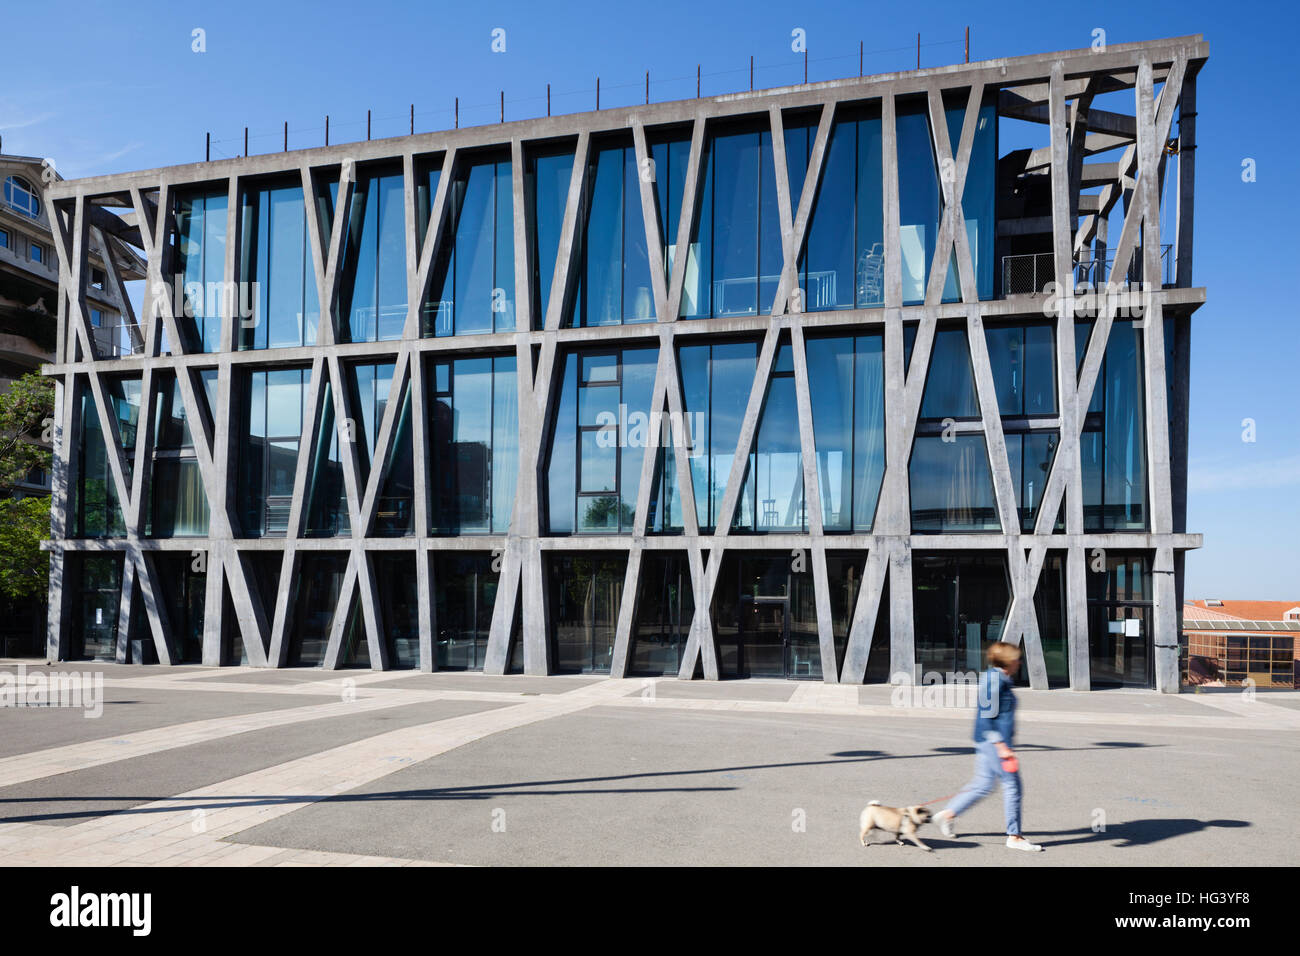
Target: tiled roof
1242	610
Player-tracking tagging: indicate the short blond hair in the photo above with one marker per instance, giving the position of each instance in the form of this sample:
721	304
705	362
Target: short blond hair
1003	655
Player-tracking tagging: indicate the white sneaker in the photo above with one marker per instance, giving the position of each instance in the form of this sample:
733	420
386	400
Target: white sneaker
1020	843
944	819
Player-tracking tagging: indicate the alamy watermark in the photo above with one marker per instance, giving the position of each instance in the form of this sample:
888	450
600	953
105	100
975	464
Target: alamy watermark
636	429
81	689
939	689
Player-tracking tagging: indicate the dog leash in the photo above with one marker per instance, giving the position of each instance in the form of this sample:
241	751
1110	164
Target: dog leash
937	800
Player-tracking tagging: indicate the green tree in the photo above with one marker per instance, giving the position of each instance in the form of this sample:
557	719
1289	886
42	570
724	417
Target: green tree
26	411
24	567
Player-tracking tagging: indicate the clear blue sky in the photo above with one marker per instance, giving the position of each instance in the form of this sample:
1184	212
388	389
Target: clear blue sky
107	87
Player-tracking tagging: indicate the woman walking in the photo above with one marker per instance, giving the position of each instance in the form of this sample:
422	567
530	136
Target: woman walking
995	728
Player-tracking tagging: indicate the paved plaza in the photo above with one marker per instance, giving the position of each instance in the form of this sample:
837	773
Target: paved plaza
199	766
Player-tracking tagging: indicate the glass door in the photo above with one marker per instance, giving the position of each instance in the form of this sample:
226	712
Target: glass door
764	637
1119	638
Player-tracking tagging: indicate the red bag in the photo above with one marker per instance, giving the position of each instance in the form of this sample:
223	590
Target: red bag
1011	764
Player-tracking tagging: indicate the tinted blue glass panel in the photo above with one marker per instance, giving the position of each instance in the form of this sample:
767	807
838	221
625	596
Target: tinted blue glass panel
918	199
950	386
551	176
951	486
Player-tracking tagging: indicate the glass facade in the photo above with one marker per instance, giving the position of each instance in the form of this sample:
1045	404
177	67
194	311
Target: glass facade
276	256
599	436
665	607
201	266
524	429
844	253
765	618
1113	444
715	389
613	268
474	436
733	264
274	410
373	295
848	409
585	592
547	183
180	500
951	483
474	279
960	603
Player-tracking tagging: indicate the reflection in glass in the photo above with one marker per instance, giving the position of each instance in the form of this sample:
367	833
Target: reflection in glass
960	604
846	382
475	439
473	288
276	261
599	439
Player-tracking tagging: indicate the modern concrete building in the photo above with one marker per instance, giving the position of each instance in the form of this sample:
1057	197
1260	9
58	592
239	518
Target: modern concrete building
805	383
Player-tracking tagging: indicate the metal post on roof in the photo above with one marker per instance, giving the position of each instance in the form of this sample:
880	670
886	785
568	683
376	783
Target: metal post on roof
412	119
647	87
207	147
245	142
367	125
456	112
286	136
751	73
327	129
859	58
805	64
597	92
918	51
968	44
503	106
548	99
697	81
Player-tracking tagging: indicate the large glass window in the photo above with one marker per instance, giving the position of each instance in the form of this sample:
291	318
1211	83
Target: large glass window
776	462
919	201
978	194
734	263
951	483
1113	444
21	197
201	263
180	501
274	410
960	604
473	286
614	274
601	427
848	409
373	290
548	185
1023	360
670	151
96	506
276	256
843	258
474	431
716	380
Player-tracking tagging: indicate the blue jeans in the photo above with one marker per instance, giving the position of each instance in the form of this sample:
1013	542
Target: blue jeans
988	770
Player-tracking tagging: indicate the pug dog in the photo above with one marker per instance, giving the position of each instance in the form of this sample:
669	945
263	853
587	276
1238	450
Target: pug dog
902	822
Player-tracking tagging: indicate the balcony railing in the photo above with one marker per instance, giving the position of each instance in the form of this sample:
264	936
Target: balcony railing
1030	274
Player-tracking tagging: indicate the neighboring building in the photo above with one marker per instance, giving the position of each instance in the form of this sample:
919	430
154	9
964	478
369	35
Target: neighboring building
1228	642
29	281
392	397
